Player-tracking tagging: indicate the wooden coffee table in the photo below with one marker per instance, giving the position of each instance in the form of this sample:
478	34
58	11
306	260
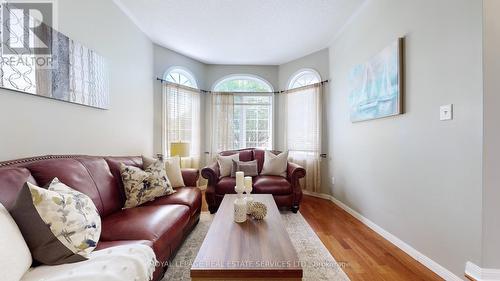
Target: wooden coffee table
253	250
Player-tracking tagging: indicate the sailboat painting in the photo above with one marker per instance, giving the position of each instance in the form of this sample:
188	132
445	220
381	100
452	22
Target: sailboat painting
377	85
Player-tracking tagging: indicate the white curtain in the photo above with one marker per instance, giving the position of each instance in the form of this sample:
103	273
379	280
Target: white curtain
222	127
181	121
301	113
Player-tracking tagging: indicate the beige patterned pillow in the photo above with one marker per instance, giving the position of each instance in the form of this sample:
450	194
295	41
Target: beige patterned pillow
60	225
142	186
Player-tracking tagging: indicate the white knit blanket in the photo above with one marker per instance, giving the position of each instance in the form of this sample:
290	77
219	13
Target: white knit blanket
121	263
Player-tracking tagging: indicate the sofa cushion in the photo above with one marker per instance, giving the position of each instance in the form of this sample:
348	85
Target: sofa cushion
226	186
258	154
189	196
275	185
11	182
244	155
159	224
71	172
107	185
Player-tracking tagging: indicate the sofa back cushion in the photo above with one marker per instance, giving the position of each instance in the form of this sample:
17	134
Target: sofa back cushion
70	172
114	167
258	154
107	185
97	177
245	154
12	180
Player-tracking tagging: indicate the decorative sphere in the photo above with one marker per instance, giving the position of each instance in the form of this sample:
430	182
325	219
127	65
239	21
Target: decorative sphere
258	210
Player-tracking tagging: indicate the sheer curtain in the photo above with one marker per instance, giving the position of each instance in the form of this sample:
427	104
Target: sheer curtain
302	130
181	121
222	127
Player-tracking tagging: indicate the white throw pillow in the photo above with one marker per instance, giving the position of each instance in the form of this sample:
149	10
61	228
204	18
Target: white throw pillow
174	174
15	257
275	165
226	164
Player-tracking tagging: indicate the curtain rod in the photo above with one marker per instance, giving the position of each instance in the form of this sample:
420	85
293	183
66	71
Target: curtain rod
206	91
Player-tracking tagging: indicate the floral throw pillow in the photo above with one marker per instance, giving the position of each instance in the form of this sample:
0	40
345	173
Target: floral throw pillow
142	186
60	225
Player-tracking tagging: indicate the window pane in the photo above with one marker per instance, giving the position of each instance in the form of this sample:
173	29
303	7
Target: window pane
251	136
304	78
251	125
251	144
251	112
263	137
263	113
263	125
243	84
181	77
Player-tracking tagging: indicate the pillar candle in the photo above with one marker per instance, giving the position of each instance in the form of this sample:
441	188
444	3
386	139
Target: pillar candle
248	184
239	179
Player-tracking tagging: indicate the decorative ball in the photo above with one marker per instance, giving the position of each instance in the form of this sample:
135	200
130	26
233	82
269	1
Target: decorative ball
258	210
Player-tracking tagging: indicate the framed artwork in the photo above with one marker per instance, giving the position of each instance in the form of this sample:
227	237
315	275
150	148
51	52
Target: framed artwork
377	86
38	60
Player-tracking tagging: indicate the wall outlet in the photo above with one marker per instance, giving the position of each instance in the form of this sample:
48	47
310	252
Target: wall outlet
333	180
446	112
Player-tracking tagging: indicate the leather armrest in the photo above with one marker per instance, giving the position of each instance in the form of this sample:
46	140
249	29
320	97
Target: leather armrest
190	176
295	172
211	173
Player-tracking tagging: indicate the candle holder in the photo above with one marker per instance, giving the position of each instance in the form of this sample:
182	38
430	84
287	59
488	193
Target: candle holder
240	205
248	190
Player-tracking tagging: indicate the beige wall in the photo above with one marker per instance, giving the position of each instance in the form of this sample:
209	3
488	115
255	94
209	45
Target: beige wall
32	125
491	141
415	176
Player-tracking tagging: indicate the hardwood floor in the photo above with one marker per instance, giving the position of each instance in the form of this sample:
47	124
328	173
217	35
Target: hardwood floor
364	255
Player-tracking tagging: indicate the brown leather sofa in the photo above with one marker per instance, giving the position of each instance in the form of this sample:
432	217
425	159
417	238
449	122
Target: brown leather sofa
286	191
162	224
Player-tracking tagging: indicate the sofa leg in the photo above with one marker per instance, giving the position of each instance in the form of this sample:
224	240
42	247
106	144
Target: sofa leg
295	208
212	209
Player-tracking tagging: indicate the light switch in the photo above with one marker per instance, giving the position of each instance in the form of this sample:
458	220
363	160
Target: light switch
446	112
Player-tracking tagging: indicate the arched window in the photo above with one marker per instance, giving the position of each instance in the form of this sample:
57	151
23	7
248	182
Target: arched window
252	110
242	83
304	77
181	107
181	76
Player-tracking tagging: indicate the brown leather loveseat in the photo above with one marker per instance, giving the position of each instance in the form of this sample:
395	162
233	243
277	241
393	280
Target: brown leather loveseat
286	191
162	224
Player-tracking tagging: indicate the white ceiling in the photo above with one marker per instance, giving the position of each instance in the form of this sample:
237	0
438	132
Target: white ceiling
268	32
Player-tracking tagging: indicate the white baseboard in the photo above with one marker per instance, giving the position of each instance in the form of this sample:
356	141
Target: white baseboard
423	259
481	274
